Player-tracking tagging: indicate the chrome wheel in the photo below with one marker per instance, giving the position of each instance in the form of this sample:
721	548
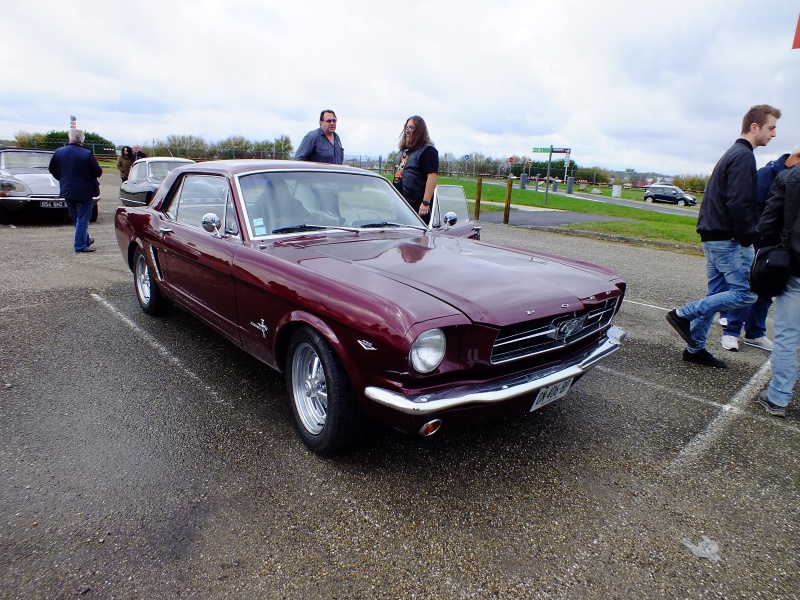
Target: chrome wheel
325	412
142	278
310	390
147	292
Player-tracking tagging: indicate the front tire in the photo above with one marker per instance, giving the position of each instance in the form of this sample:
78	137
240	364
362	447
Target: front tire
147	292
327	416
681	202
649	200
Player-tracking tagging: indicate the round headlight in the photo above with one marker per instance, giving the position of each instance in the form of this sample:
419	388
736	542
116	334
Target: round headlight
11	187
427	351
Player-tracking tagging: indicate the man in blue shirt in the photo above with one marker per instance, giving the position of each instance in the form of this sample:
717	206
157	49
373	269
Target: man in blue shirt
77	170
322	145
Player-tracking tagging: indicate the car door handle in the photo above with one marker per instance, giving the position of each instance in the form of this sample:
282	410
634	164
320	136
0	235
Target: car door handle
164	230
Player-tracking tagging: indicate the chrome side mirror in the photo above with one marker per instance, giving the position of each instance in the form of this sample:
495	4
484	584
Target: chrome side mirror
211	223
450	218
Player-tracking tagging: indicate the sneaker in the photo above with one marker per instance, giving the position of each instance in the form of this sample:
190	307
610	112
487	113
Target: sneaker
723	322
705	358
680	324
773	409
730	342
763	342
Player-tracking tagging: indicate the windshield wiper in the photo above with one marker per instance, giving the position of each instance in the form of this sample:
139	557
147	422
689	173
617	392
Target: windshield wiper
391	224
301	227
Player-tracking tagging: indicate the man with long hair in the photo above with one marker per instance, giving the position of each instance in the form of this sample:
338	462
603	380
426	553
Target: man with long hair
417	166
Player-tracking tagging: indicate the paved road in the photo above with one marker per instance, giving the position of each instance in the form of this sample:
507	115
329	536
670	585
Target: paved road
554	218
146	458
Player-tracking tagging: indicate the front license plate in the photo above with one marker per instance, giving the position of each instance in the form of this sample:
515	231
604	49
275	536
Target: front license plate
550	393
53	204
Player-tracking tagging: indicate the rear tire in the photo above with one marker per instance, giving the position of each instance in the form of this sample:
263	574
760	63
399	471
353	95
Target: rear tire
147	292
326	414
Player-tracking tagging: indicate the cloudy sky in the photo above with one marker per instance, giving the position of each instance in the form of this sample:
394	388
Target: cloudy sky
653	86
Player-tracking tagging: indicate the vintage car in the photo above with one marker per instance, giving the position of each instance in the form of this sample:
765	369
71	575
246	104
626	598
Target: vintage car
325	273
145	177
26	183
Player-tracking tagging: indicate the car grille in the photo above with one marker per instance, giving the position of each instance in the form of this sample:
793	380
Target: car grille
543	335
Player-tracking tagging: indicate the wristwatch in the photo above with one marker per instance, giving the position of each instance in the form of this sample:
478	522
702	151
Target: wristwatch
426	202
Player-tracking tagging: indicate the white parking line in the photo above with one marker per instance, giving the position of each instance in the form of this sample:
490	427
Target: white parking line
156	346
719	424
727	412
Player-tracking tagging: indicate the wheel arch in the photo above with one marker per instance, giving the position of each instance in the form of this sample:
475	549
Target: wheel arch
298	319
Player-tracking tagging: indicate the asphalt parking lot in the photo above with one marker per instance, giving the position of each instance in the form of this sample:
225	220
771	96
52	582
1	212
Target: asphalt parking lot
146	457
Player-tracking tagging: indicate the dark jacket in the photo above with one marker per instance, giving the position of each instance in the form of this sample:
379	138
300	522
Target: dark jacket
77	170
124	163
766	175
784	195
316	147
728	210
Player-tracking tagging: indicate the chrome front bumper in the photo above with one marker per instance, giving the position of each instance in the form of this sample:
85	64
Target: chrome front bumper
424	404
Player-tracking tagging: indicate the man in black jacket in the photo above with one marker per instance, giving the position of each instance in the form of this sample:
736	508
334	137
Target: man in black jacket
727	228
754	317
77	170
783	204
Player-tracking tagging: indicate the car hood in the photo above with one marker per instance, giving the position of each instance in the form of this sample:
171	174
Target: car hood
40	182
489	284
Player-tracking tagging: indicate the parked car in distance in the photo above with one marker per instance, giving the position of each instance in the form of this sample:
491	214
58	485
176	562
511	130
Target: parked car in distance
669	193
325	273
26	183
145	177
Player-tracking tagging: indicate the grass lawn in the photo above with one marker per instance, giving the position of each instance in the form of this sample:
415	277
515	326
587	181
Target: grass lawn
644	224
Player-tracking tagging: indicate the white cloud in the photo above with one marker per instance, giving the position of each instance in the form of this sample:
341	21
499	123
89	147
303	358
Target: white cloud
624	83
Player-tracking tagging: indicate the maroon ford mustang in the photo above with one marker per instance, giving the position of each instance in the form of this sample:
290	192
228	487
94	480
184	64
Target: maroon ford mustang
326	274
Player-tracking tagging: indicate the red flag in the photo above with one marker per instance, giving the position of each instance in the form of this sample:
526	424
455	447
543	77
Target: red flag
797	36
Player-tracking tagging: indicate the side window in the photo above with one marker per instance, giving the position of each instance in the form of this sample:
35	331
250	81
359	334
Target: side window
198	195
134	176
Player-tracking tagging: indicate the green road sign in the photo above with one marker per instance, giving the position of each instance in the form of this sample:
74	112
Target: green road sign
541	149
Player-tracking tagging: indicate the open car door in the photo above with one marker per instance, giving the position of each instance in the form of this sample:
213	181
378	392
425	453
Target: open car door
449	213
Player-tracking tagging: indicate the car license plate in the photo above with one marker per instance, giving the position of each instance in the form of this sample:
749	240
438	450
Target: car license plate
53	204
550	393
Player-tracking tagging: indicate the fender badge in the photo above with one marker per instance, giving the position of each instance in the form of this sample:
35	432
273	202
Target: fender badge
262	327
366	345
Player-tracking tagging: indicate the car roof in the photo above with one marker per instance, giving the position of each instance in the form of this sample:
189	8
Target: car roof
240	166
18	149
165	159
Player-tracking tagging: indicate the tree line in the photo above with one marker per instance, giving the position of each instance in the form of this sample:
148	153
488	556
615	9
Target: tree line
474	164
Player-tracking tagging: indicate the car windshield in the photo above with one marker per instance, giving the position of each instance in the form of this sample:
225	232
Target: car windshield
301	201
24	160
158	170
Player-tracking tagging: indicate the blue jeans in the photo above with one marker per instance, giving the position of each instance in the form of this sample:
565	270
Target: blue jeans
753	317
787	339
80	212
729	263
